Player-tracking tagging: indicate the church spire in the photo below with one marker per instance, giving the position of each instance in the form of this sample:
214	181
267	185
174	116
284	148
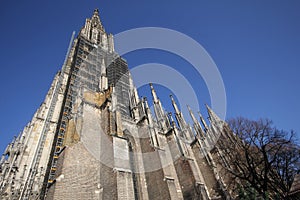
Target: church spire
95	33
181	121
96	22
203	121
177	111
155	99
213	117
160	114
192	114
197	125
150	122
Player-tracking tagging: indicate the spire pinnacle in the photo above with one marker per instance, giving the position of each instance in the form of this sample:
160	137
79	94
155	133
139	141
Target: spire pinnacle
197	125
212	115
192	115
96	22
177	111
96	11
148	111
93	29
155	99
203	121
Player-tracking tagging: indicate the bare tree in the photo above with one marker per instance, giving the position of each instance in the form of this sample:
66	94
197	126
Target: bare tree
260	156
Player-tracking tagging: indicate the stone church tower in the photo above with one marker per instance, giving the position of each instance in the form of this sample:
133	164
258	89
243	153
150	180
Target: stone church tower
93	137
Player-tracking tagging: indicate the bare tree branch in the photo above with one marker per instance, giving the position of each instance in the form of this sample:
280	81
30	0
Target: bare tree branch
261	156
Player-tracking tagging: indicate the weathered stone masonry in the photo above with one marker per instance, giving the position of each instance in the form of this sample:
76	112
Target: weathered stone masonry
94	138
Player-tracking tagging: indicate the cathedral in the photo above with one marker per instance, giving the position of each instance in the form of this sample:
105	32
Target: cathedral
94	137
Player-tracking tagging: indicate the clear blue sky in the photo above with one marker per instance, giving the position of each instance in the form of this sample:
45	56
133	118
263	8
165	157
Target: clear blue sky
255	44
